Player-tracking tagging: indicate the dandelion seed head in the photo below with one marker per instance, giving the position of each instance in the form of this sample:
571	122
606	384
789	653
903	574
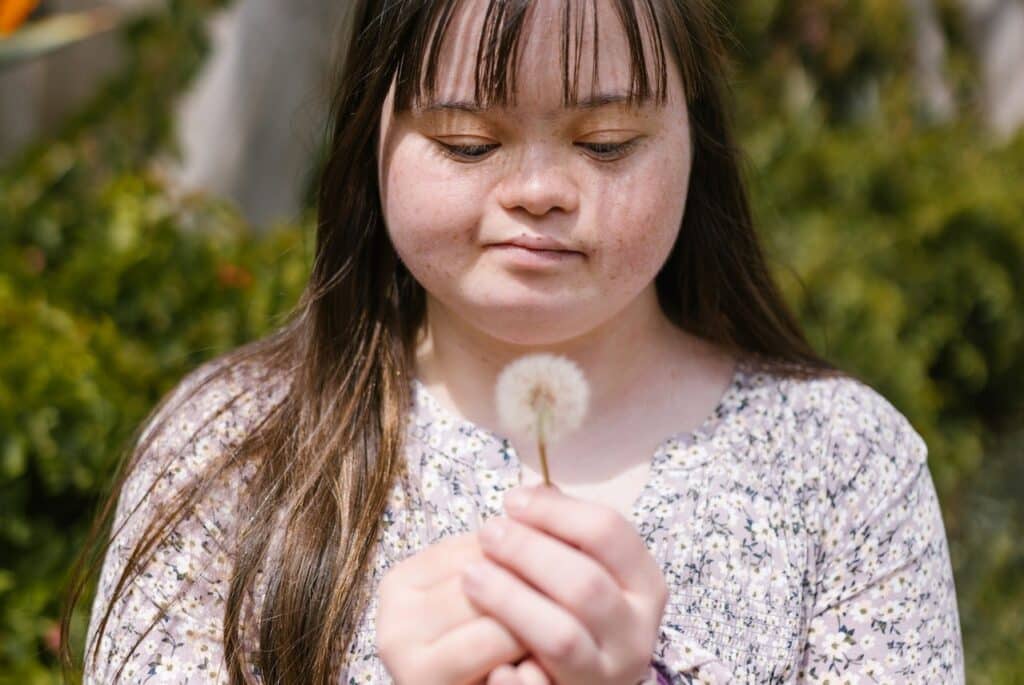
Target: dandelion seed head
542	393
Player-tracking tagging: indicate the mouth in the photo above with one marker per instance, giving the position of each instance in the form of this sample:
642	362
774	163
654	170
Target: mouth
532	257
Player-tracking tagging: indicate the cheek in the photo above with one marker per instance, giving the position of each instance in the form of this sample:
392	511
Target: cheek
642	221
430	215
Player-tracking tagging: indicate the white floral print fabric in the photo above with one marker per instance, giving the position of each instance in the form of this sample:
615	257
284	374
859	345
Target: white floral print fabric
798	529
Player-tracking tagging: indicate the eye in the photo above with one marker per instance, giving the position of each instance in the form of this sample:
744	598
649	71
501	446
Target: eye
610	151
466	153
473	153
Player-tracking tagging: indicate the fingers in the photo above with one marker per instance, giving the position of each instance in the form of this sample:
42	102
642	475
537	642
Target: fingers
530	673
440	609
427	625
421	598
545	629
470	651
437	562
437	608
599	531
504	675
563	573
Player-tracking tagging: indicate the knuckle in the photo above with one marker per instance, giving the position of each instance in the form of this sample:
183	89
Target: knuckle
511	542
606	527
588	591
511	545
563	644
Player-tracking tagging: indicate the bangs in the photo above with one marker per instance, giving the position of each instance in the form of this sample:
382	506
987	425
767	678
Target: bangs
498	48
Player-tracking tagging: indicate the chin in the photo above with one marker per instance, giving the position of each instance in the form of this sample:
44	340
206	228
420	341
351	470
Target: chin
529	326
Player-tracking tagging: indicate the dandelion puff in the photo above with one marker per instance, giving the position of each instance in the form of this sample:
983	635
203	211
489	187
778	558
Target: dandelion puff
542	397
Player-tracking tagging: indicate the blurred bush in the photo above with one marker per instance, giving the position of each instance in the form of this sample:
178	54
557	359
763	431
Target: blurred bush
899	241
904	254
110	290
99	315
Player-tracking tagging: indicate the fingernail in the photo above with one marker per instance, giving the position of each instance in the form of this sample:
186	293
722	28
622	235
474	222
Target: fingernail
517	499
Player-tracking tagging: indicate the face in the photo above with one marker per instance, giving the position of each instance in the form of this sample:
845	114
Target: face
602	187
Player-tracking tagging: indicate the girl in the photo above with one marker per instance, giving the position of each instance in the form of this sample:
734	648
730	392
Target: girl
337	504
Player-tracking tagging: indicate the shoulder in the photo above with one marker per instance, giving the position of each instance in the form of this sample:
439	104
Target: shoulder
216	398
837	416
207	413
844	448
873	464
815	435
860	427
833	450
167	566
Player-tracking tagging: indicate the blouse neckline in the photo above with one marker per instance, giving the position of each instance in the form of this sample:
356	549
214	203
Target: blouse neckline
480	448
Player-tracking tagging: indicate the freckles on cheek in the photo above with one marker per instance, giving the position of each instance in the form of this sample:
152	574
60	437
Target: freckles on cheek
432	222
424	203
638	238
412	206
657	224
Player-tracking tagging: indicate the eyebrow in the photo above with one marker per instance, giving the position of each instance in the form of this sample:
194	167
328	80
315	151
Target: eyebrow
592	102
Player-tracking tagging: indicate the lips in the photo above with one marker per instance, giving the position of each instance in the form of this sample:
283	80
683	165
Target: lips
539	243
531	259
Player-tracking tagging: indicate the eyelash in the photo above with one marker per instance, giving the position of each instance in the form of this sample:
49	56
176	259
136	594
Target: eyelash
461	153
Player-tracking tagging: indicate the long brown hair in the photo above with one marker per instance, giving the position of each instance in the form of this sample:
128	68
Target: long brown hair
327	454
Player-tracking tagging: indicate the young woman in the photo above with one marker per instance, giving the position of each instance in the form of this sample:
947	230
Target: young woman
338	504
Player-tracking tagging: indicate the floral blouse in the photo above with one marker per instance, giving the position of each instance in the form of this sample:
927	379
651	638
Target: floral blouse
797	527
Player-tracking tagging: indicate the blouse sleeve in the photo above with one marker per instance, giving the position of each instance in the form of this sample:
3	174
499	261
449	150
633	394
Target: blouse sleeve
884	606
166	624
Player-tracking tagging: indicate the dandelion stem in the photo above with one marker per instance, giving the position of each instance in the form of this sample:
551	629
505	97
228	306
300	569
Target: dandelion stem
541	446
543	459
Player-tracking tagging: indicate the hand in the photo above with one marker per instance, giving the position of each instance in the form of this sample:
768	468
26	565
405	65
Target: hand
575	583
428	633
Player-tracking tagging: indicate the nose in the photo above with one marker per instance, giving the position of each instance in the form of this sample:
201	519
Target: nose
539	183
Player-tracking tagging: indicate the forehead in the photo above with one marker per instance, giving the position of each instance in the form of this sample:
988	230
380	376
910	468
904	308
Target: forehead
558	51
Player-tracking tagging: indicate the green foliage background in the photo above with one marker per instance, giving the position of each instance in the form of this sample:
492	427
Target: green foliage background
899	240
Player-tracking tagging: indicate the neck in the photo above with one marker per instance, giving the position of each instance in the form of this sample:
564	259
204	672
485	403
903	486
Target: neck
628	359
